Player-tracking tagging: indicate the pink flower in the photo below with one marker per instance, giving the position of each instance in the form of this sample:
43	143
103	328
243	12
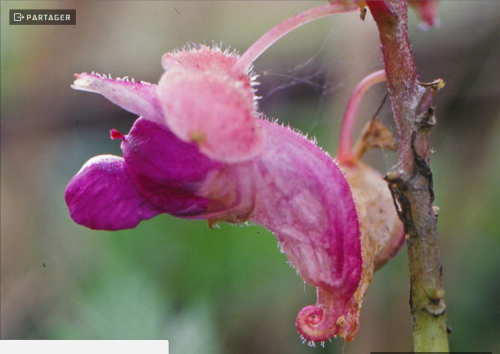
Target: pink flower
202	150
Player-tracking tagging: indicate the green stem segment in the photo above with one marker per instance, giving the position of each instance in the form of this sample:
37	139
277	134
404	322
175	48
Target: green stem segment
411	181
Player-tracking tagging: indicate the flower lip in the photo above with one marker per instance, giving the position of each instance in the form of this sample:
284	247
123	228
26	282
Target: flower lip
102	197
165	170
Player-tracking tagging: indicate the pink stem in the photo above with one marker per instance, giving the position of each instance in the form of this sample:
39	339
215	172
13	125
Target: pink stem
252	53
345	152
399	65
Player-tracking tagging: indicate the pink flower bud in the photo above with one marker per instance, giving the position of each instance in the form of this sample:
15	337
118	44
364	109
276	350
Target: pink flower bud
427	10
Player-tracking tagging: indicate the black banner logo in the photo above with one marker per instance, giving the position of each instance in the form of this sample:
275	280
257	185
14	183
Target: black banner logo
42	17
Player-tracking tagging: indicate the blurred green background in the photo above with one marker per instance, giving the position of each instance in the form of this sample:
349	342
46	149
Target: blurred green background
230	290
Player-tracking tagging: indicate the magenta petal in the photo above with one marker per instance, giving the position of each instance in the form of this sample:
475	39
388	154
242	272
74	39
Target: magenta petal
166	170
101	196
136	97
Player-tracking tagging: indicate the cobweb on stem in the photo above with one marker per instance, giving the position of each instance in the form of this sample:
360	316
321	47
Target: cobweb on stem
309	82
311	85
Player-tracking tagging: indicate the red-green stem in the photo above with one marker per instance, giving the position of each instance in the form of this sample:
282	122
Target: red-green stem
411	182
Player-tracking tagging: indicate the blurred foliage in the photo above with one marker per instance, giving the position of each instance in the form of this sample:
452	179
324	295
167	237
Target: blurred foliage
230	290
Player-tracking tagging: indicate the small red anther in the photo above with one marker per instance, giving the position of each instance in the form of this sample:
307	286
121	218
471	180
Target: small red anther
115	134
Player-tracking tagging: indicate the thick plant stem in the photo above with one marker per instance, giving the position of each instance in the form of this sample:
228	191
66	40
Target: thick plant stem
411	181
